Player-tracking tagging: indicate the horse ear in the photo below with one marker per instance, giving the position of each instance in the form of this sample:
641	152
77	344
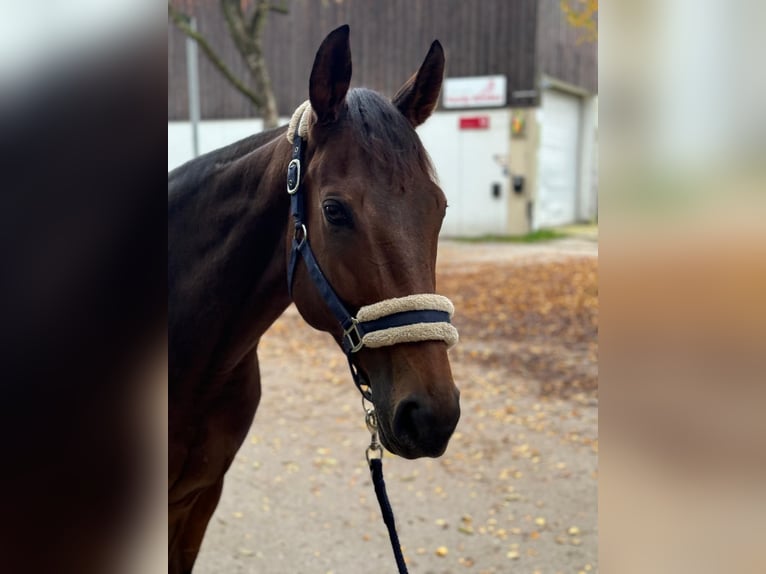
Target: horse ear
330	75
417	98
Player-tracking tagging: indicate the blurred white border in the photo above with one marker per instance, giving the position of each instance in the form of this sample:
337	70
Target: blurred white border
38	35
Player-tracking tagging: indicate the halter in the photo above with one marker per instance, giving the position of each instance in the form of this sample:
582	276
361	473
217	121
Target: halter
419	317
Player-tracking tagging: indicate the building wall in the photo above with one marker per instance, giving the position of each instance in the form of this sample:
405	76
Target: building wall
523	162
389	40
562	53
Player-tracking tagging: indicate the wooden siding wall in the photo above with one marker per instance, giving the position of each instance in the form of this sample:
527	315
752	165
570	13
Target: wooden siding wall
560	54
389	39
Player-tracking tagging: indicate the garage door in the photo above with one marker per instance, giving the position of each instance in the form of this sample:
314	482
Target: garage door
556	202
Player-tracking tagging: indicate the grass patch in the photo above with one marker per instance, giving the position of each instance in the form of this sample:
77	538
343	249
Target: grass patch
531	237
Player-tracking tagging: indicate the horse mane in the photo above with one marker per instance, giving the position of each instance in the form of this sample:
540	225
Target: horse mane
382	129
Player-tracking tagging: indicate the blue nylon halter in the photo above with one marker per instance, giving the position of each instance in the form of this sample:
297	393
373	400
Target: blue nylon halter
353	330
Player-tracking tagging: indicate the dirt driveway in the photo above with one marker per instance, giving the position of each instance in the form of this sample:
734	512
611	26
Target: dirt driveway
516	490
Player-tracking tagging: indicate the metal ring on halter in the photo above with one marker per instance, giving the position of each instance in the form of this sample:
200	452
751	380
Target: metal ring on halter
371	420
366	409
300	232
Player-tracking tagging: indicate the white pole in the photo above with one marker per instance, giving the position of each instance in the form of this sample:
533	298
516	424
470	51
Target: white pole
192	73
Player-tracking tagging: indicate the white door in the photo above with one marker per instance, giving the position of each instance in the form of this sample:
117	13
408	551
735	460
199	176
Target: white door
471	164
483	177
556	201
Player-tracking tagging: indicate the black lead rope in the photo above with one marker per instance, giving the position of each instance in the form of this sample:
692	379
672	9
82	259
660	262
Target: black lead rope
376	468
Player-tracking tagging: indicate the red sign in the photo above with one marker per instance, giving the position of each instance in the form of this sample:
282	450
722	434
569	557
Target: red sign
474	123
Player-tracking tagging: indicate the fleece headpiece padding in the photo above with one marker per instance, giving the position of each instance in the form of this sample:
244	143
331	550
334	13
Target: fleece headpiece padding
300	120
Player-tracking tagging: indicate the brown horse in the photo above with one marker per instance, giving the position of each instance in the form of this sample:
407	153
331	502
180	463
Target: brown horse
373	212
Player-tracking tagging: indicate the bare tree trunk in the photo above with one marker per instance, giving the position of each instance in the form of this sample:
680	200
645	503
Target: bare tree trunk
247	34
181	22
247	37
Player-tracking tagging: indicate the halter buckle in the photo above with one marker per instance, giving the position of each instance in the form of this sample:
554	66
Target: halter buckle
353	336
293	176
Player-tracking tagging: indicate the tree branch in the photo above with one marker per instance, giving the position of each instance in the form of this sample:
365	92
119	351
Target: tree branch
260	13
238	28
259	16
247	39
281	7
182	22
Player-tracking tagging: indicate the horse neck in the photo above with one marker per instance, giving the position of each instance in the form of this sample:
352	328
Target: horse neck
226	257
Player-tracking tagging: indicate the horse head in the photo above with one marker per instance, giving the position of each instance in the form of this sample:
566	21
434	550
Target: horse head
373	212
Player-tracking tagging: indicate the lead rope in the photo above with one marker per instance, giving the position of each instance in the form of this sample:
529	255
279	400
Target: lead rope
374	456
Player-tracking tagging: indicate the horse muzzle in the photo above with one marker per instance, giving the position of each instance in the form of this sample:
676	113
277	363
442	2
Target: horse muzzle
422	428
418	428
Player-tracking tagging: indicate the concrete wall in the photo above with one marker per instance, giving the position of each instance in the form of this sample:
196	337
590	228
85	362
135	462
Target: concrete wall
212	135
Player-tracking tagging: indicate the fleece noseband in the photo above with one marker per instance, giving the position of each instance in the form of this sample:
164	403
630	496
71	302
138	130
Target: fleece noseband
410	319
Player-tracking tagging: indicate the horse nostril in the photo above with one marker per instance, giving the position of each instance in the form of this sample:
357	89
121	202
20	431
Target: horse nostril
406	419
422	427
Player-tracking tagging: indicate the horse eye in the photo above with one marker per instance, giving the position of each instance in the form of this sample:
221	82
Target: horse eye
335	213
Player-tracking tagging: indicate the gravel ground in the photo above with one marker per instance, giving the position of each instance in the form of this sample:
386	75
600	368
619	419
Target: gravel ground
516	490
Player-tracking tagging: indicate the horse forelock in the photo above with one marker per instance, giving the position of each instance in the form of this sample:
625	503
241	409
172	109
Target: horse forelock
386	135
